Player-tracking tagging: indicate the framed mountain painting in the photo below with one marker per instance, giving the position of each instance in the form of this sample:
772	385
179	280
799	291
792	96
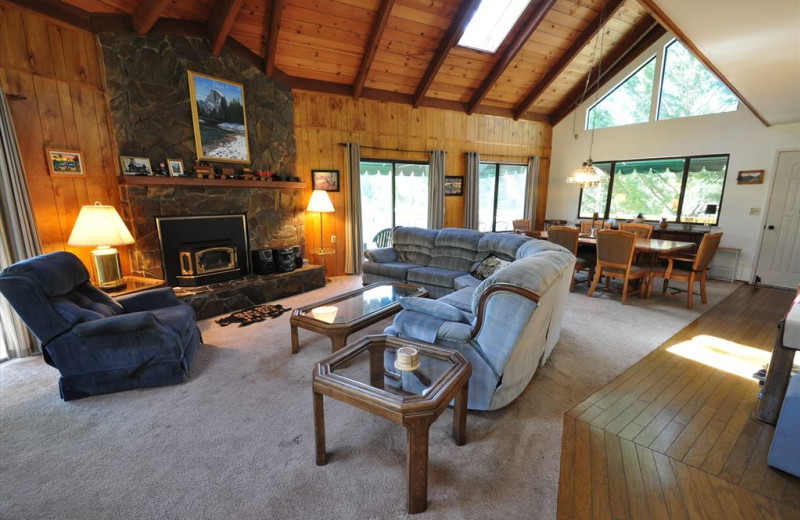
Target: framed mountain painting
219	117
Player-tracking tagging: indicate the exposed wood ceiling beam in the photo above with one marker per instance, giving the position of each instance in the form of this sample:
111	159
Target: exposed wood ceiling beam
372	46
146	14
664	20
59	10
451	37
625	52
558	68
272	37
519	41
221	22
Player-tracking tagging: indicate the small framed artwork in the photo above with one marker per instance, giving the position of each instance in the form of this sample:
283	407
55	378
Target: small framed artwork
327	180
175	167
135	165
64	162
453	185
750	177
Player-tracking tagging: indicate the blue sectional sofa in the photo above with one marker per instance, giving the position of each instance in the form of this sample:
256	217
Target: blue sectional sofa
506	325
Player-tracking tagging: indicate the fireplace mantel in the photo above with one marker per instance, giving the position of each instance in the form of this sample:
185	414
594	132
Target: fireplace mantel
133	180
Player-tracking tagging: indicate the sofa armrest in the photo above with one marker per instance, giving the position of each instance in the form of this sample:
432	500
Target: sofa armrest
122	324
381	255
150	299
497	289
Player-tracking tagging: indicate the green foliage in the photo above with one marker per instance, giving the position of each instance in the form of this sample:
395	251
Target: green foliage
628	103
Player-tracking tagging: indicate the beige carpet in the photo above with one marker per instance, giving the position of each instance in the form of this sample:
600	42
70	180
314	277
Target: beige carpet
237	441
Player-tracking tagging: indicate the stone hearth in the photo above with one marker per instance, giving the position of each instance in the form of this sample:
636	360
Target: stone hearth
226	297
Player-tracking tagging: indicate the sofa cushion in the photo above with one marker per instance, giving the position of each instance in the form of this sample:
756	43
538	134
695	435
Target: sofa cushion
395	270
456	249
433	276
502	245
414	245
435	308
465	281
488	267
381	255
461	299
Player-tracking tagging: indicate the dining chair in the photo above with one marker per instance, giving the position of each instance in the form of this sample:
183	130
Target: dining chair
567	237
586	226
698	272
615	259
640	230
522	224
554	222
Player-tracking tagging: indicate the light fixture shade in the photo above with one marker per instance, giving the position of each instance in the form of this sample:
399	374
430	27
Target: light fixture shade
587	175
99	225
320	202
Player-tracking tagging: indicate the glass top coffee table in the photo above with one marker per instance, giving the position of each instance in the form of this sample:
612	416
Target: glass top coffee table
365	375
340	316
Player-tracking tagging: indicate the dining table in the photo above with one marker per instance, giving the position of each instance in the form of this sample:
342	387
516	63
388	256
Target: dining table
652	246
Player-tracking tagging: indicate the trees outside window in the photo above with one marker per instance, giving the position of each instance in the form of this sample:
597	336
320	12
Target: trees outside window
501	195
393	193
628	103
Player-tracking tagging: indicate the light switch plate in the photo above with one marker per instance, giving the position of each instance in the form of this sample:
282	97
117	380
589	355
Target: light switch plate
755	211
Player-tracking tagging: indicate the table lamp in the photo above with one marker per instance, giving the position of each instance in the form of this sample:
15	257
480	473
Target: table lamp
101	227
321	203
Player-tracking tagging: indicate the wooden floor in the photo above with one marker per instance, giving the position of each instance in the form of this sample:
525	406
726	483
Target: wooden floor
675	438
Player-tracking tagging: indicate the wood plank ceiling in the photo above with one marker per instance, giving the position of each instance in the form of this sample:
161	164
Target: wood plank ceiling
402	50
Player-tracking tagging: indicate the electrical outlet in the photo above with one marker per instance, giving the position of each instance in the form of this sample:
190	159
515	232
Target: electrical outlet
333	239
755	211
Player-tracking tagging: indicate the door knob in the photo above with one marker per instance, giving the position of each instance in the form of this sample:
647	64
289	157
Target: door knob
770	227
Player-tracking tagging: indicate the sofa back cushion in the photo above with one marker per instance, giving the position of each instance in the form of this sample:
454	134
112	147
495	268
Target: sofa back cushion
457	249
414	245
501	245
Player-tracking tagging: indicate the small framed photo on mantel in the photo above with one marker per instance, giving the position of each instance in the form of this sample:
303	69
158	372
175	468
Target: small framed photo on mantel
135	165
327	180
175	167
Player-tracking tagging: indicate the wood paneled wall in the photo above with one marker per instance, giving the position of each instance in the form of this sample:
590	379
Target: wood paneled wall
58	71
322	122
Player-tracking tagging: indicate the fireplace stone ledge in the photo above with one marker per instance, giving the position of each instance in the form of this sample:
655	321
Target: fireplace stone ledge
233	295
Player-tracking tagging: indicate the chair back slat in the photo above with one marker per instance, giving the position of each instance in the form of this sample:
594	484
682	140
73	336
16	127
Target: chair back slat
586	225
705	253
640	230
615	248
564	236
522	224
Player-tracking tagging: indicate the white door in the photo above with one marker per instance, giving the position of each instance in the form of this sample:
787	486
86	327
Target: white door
779	261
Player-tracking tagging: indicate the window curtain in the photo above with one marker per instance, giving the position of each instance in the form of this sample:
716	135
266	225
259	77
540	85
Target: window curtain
19	239
531	190
436	190
471	219
354	243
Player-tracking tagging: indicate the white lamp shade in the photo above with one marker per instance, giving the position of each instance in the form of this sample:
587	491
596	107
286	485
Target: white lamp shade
320	202
99	225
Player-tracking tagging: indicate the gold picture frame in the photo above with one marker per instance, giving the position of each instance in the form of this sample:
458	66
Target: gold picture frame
219	117
64	162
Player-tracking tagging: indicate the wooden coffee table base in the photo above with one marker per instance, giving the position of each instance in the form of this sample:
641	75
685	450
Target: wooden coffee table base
416	418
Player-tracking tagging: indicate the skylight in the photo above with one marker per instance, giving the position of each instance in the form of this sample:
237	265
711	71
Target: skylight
491	23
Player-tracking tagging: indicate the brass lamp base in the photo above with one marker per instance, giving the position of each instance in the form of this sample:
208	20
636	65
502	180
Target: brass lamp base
107	267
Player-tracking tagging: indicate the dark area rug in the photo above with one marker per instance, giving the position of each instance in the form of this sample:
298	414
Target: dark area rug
253	315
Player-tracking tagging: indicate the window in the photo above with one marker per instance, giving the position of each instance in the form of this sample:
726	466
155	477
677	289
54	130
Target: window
628	103
501	195
491	24
393	193
682	189
688	88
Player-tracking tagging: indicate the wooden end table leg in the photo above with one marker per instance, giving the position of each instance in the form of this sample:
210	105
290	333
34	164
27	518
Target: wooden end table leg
460	415
338	339
319	429
295	343
417	463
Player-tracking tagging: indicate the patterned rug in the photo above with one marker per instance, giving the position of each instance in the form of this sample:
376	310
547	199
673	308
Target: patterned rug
253	315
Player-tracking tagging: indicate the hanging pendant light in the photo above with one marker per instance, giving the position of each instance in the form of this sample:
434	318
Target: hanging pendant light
590	175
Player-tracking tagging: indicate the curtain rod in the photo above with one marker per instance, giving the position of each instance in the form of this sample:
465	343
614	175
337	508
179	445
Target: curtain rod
390	149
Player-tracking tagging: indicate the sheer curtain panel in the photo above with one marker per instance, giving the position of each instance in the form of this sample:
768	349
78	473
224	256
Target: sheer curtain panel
19	238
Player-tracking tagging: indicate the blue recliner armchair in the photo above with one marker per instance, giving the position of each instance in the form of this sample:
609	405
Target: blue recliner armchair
97	343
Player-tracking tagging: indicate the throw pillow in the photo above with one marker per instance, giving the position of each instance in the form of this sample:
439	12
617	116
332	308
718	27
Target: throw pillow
488	267
435	308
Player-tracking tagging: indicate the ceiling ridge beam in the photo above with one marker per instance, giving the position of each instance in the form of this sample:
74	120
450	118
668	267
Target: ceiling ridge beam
372	46
146	14
517	42
567	58
219	26
627	51
451	37
665	20
272	38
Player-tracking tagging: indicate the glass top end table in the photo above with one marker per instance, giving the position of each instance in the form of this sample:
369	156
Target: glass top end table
340	316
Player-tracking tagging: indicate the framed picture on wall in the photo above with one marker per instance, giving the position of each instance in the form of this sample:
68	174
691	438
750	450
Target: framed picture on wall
220	120
750	177
327	180
453	185
175	167
62	162
135	165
